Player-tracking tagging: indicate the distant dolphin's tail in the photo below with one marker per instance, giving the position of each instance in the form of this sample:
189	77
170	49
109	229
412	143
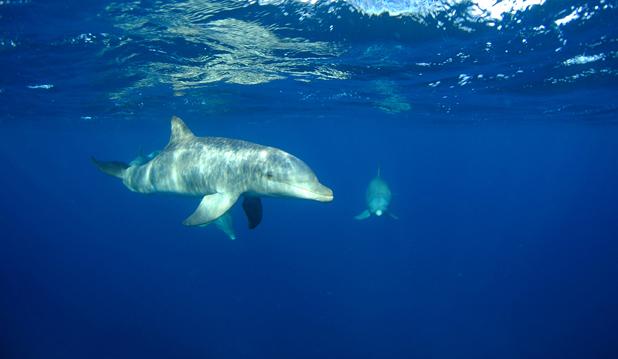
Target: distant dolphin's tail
112	168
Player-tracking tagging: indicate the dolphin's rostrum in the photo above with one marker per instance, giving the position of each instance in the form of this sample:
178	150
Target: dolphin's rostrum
220	170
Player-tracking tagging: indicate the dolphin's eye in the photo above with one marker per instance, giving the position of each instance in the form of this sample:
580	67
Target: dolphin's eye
269	175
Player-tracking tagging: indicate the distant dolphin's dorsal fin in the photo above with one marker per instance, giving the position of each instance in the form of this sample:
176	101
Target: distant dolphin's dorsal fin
180	131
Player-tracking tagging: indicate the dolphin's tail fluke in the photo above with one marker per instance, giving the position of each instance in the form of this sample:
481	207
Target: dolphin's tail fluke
112	168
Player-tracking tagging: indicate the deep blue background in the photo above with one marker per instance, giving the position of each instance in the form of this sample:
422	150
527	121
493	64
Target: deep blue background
506	192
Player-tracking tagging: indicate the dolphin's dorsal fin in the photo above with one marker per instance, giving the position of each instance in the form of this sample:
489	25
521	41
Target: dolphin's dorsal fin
180	131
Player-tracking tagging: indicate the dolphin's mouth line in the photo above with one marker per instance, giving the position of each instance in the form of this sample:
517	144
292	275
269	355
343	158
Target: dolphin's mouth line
320	195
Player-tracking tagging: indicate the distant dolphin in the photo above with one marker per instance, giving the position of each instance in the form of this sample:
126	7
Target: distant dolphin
378	197
221	170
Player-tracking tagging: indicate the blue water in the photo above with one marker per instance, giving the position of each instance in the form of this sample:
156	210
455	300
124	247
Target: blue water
495	126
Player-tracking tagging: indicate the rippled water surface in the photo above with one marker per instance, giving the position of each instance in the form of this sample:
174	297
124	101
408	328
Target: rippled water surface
429	57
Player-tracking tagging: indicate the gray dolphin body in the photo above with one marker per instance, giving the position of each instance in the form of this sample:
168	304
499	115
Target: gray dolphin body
220	170
378	198
142	159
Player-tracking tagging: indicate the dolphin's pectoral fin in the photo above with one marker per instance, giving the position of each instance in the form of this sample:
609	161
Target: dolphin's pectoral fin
364	215
253	209
212	207
225	224
392	215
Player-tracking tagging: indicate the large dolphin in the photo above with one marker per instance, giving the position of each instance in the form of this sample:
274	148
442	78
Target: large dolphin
378	197
219	170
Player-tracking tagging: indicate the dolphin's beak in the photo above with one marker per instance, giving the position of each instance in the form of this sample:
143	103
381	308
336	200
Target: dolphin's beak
314	191
323	193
